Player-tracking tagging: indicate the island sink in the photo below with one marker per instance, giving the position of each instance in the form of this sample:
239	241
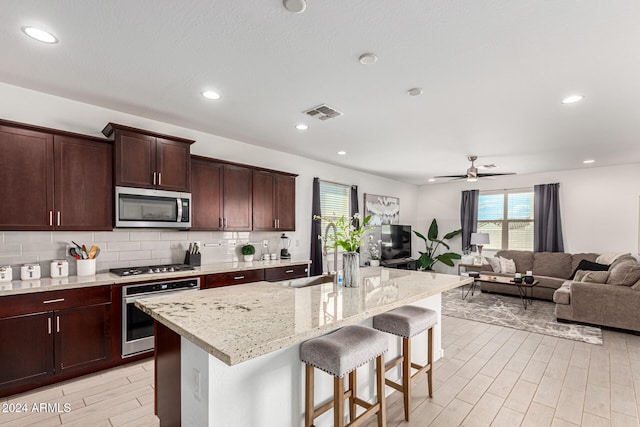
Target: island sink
308	281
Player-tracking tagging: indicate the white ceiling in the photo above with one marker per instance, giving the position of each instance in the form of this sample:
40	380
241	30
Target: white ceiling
493	74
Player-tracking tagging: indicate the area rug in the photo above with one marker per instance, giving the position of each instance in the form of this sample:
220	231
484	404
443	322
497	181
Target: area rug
505	310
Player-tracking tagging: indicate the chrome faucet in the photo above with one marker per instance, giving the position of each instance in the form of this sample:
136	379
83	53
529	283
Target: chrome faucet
335	250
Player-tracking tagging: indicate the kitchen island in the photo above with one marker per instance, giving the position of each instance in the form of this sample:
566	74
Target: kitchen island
229	356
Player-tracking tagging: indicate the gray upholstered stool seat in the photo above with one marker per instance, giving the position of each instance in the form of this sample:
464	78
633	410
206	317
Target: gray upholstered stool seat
406	322
339	353
342	351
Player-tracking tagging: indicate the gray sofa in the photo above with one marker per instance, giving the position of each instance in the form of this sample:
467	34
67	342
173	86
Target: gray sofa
614	303
551	269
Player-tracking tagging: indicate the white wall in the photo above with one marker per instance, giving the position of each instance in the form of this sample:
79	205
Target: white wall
28	106
599	205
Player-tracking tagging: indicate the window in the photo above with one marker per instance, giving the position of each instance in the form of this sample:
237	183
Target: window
508	218
334	203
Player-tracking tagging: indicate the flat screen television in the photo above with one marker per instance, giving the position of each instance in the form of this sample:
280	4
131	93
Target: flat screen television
395	242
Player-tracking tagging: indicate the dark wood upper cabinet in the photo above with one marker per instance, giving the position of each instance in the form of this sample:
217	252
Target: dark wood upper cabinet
235	197
83	185
206	195
54	180
237	207
264	206
286	202
26	173
145	159
274	201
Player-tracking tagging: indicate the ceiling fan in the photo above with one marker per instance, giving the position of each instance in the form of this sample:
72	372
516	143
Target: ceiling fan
472	174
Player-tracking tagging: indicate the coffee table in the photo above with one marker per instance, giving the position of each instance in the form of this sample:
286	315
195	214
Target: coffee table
526	297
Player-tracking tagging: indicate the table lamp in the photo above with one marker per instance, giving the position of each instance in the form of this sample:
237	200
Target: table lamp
479	239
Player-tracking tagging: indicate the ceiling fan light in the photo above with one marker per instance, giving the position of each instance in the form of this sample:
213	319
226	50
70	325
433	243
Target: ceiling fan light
472	179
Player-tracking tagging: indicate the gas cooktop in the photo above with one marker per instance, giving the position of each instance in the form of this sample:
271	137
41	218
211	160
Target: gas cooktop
151	269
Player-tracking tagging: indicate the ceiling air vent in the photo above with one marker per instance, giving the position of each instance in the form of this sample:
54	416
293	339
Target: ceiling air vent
323	112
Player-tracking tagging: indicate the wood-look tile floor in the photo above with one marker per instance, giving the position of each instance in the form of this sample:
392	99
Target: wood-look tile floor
490	376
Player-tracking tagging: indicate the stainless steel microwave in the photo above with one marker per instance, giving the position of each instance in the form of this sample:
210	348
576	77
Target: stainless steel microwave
143	208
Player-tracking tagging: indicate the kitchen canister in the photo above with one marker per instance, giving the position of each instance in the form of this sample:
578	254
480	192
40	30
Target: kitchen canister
6	273
59	268
86	267
30	271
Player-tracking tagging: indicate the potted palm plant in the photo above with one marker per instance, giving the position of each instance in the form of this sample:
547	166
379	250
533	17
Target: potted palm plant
432	243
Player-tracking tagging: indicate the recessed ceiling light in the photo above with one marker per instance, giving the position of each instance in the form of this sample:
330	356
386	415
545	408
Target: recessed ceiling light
416	91
573	98
586	162
342	153
368	58
302	126
431	180
295	6
40	35
210	94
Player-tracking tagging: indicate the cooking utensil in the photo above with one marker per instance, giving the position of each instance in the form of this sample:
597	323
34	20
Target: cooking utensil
74	253
92	252
85	254
97	253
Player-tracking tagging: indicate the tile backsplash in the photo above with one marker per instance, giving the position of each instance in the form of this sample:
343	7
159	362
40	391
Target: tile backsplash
129	248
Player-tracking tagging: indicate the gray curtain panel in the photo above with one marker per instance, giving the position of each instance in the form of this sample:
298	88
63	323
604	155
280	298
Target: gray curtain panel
469	216
353	206
353	203
547	227
316	230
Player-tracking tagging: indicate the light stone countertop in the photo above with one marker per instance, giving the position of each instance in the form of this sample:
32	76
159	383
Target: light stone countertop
17	287
241	322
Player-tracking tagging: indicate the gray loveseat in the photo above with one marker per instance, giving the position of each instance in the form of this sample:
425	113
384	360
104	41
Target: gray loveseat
614	303
551	269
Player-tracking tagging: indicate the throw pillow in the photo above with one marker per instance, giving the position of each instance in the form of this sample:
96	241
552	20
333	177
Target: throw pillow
579	275
595	276
494	262
590	266
507	265
624	273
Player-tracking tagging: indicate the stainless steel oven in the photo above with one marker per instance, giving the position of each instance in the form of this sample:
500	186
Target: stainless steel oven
137	327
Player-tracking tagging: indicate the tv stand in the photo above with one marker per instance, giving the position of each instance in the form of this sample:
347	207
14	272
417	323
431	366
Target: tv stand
402	264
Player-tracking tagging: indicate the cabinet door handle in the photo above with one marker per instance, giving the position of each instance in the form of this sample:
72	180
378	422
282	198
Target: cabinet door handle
57	323
50	218
219	222
59	220
53	300
289	271
238	278
49	324
159	178
154	178
224	220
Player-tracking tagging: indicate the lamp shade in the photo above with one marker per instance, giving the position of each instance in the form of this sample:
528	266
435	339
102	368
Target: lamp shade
479	238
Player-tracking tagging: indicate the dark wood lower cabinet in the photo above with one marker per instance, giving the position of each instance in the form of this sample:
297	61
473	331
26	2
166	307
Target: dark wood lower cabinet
26	350
47	337
83	337
286	273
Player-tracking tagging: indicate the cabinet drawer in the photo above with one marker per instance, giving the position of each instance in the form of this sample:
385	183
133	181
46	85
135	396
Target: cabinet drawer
14	305
286	273
234	278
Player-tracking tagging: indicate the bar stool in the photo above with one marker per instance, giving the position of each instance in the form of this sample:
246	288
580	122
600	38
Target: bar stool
406	322
339	353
